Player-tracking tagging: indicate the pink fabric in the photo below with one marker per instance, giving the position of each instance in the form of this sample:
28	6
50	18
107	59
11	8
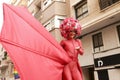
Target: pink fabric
72	70
35	53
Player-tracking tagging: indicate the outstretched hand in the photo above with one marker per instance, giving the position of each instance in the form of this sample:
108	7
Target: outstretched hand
78	47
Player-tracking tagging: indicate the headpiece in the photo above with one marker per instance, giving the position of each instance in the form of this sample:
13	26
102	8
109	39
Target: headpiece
70	24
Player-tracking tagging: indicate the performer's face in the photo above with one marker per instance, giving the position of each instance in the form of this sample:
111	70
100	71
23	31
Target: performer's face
72	34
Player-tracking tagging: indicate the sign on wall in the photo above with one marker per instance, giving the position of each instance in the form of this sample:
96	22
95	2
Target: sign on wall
107	61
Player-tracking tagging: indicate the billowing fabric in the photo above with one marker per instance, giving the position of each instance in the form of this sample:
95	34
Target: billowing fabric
34	52
72	70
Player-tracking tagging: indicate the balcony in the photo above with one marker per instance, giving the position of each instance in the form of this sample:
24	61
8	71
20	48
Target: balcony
55	8
4	63
102	20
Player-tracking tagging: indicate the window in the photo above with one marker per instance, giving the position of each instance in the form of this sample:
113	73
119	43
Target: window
30	1
97	40
50	25
47	26
105	3
46	3
118	30
58	21
90	73
5	56
81	9
103	74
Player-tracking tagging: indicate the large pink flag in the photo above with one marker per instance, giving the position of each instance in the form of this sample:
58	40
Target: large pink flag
34	52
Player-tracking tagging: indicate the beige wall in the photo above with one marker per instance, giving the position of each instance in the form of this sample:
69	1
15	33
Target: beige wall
57	35
95	75
23	2
114	74
94	12
110	37
87	57
56	8
32	7
110	41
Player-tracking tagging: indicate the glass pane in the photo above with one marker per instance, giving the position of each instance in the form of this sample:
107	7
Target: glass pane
104	3
79	11
85	8
95	41
100	40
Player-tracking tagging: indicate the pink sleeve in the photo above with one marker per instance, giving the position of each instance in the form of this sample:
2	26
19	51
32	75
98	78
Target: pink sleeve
81	51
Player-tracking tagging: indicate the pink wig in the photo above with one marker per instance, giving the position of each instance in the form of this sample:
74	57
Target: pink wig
70	24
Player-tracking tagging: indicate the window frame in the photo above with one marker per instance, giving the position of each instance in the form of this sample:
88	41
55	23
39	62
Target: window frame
106	3
118	31
80	6
98	40
46	3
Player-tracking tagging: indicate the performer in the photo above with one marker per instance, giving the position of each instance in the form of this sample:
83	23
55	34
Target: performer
70	28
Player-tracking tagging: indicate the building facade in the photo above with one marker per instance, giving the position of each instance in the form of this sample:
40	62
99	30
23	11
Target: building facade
100	20
6	66
50	13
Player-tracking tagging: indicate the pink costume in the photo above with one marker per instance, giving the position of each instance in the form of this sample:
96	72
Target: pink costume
36	58
72	70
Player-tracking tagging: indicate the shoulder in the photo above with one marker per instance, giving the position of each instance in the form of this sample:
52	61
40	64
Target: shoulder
63	42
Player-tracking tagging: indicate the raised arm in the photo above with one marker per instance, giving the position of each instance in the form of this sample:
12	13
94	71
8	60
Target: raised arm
80	48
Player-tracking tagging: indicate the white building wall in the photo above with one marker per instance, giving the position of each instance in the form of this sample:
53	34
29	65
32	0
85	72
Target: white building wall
95	75
114	74
110	41
110	38
87	58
